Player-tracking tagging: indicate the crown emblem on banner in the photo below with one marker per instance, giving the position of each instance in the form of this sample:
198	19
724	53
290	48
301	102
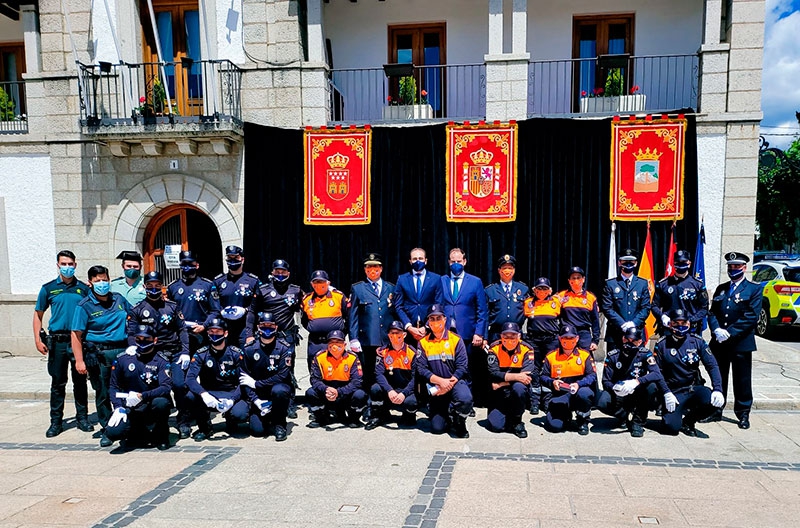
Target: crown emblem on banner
647	155
338	161
481	157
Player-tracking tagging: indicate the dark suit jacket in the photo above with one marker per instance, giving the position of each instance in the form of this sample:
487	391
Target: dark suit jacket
469	312
413	308
737	312
369	316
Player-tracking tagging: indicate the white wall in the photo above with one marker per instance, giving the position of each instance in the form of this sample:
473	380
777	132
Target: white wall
710	190
27	189
228	29
102	39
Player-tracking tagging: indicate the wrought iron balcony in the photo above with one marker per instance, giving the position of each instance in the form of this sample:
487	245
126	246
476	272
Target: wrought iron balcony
13	108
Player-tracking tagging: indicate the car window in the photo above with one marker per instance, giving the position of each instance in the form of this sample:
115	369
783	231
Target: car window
765	274
791	274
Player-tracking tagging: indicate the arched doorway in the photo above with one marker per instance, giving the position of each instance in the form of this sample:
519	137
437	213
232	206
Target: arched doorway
187	226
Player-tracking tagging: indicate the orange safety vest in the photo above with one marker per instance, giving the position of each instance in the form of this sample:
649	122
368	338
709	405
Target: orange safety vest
440	349
509	361
325	307
397	359
571	366
333	369
572	300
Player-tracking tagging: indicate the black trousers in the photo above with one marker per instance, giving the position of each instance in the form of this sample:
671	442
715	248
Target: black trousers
279	394
479	375
694	404
147	421
636	404
741	365
542	344
60	361
367	357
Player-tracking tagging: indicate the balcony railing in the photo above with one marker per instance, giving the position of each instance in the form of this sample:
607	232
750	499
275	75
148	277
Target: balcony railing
571	87
206	92
13	108
452	91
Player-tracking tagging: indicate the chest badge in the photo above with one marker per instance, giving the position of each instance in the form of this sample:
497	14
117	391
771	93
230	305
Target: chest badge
146	313
584	301
616	290
635	295
578	361
256	356
209	363
670	289
515	359
180	291
272	293
673	352
331	303
619	364
131	367
447	344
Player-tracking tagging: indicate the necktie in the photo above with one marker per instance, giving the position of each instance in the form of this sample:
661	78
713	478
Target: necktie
455	288
418	280
733	287
627	283
375	288
508	289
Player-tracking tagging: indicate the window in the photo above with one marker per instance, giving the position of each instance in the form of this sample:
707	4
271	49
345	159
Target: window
593	37
422	45
12	66
764	273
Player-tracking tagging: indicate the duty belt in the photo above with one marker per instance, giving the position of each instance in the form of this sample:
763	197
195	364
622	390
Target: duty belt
110	346
318	339
61	337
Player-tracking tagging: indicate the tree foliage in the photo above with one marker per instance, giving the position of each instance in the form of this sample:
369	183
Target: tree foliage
778	200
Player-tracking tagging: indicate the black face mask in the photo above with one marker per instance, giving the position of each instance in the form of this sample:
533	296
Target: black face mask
234	265
145	347
629	348
216	339
681	268
628	268
153	294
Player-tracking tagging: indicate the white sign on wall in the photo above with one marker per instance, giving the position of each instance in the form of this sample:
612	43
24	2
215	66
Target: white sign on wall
172	256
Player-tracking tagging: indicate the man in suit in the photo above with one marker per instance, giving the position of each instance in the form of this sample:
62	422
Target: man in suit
626	300
415	293
464	302
735	307
505	298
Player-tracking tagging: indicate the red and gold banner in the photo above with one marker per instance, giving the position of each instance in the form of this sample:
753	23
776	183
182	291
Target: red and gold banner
647	158
482	173
337	165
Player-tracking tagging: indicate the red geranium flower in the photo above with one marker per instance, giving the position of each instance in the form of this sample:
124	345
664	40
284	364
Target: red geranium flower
583	93
142	99
424	93
634	89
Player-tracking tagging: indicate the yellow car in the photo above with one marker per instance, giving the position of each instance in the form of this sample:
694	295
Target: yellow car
780	306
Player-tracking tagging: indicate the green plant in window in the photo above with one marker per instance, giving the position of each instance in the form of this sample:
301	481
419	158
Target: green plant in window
408	90
159	96
614	83
6	106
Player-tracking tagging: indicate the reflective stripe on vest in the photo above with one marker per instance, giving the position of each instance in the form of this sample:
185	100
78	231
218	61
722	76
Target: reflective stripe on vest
571	366
333	369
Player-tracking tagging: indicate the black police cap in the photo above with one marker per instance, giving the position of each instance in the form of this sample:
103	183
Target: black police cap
628	254
542	282
734	257
396	325
144	331
130	255
153	276
435	309
682	256
234	250
507	259
266	317
319	275
510	327
634	334
187	256
335	334
280	264
576	269
217	323
677	314
567	331
373	259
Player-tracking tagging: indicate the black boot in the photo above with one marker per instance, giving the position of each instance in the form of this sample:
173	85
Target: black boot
83	424
519	431
55	429
409	419
716	416
460	426
280	433
744	420
317	419
353	420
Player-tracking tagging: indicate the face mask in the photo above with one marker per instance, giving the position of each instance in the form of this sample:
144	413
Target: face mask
336	348
576	284
143	347
506	275
510	343
418	265
437	327
132	274
153	293
541	294
67	271
320	288
280	278
373	274
216	339
456	268
101	287
568	343
628	267
735	274
629	347
680	330
397	340
681	268
234	265
267	333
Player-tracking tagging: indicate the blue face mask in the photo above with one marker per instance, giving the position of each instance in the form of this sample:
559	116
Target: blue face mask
628	267
418	265
681	268
280	278
234	264
188	270
680	330
67	271
132	274
267	333
735	274
143	347
153	293
101	287
456	268
216	339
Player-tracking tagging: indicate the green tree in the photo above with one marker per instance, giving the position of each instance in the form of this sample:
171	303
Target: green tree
777	203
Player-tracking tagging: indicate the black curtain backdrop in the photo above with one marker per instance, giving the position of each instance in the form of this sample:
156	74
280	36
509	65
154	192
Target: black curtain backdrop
562	207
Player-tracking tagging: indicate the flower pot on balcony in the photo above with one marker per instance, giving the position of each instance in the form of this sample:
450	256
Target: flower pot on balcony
606	105
407	112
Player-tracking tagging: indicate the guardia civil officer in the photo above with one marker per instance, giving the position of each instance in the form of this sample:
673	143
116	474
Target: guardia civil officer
62	296
237	290
394	380
511	366
98	336
324	311
213	381
686	399
370	312
569	372
442	363
683	291
505	298
626	300
167	320
735	307
630	382
580	309
130	285
139	391
197	299
336	385
542	311
266	379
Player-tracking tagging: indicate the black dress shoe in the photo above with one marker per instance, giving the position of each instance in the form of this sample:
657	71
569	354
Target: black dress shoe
716	416
689	430
583	428
519	431
534	410
373	423
55	429
84	425
185	431
163	446
637	431
408	419
744	422
105	441
199	436
280	433
472	413
292	412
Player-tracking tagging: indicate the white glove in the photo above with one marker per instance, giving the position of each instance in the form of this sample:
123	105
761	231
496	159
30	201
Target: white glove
119	415
210	401
264	406
131	350
619	389
665	320
626	325
224	405
721	334
247	381
670	402
183	361
355	346
630	386
717	399
133	399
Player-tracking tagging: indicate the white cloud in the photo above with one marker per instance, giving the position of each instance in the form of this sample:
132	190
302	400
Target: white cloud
780	96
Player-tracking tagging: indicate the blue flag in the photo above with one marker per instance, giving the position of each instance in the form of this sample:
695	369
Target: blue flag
699	260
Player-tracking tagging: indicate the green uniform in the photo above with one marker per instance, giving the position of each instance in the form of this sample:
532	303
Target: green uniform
133	294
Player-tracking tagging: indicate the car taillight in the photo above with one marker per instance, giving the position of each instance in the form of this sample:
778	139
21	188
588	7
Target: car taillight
786	289
786	320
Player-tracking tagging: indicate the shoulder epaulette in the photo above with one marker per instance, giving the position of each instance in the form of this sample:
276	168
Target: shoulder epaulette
164	356
83	301
203	279
221	275
201	350
173	282
253	275
235	349
356	283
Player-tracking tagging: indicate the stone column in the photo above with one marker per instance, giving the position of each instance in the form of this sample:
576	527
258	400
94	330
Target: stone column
507	73
33	44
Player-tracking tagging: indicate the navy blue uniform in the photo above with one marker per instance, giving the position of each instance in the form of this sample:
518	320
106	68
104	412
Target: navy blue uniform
679	361
344	375
446	358
575	367
237	290
198	301
626	364
507	403
369	315
270	365
283	301
216	372
687	293
394	371
167	320
622	303
505	305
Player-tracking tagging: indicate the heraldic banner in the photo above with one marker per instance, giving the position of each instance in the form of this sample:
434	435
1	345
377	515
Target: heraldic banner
337	183
647	160
482	173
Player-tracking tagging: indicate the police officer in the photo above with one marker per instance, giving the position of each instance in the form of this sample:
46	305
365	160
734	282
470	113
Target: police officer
98	337
370	312
167	320
266	379
140	387
569	372
579	308
394	380
511	366
197	299
505	298
130	285
543	312
686	399
443	364
336	385
735	308
213	381
323	311
62	296
630	378
236	290
683	291
626	300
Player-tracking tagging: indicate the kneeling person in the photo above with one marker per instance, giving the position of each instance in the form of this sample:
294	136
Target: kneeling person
630	375
511	364
266	379
336	385
139	389
394	380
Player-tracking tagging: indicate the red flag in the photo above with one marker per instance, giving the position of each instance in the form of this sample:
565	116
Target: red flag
646	273
673	247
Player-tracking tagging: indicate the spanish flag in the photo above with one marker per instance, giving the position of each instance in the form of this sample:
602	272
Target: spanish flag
646	272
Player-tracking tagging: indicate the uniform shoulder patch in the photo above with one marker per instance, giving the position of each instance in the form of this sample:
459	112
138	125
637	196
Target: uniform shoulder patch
612	353
651	359
491	358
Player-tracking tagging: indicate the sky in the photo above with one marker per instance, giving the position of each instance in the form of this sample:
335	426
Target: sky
780	95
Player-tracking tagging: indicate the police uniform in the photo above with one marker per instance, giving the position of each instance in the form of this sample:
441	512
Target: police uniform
624	300
687	293
320	316
544	321
167	320
507	403
505	301
394	371
62	298
581	311
237	291
269	364
735	308
147	373
574	367
198	301
283	301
